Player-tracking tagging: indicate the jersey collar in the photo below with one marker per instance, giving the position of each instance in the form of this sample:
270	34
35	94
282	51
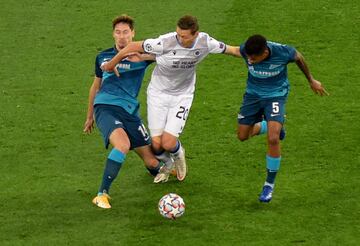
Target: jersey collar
193	44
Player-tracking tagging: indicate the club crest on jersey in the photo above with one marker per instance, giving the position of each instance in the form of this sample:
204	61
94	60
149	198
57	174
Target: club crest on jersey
273	66
148	47
197	53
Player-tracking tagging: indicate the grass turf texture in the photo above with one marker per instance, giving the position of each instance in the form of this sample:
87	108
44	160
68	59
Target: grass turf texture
50	171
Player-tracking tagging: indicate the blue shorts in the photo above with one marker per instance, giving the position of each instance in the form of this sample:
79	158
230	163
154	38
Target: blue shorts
255	109
110	117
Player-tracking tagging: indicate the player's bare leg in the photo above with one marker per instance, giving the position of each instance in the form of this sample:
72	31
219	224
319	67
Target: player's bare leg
151	163
273	140
244	132
156	143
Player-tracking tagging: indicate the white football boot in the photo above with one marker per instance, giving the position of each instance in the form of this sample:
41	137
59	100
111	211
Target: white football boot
180	165
163	174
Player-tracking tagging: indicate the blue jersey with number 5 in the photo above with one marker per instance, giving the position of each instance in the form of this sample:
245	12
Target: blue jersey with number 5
269	77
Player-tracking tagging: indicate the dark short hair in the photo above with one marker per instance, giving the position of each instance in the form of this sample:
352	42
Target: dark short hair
188	22
123	19
255	45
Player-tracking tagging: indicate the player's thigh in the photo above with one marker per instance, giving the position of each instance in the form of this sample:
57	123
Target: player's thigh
178	114
157	111
274	109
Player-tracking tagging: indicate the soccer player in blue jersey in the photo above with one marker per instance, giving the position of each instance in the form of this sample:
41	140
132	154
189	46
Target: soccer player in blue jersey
263	105
113	102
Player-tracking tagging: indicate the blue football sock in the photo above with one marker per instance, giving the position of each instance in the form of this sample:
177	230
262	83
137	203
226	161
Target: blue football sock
154	171
271	175
272	166
112	168
263	127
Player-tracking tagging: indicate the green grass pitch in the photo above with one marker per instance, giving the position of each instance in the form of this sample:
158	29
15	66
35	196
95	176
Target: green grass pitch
50	171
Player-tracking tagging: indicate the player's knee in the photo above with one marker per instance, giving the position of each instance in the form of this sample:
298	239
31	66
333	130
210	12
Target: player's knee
242	137
168	142
168	145
273	140
156	146
123	147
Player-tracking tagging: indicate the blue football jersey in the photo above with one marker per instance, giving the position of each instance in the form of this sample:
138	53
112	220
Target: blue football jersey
269	78
120	91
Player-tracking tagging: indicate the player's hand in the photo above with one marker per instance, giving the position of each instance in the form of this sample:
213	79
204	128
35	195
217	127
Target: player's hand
108	67
317	87
89	125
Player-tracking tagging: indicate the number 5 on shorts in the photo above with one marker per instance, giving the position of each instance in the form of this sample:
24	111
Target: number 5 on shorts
275	107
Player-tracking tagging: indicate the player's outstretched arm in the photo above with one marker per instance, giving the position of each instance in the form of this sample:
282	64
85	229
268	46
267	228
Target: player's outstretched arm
130	48
233	50
89	122
138	57
315	85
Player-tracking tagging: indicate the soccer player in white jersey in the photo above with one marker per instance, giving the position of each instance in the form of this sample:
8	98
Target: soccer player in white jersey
171	89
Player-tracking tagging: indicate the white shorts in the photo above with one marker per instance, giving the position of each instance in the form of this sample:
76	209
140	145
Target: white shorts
167	112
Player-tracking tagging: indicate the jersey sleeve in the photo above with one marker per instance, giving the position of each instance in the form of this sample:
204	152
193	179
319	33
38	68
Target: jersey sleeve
215	46
242	50
98	71
153	46
289	52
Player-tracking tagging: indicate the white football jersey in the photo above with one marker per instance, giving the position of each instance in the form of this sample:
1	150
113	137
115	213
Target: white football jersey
175	70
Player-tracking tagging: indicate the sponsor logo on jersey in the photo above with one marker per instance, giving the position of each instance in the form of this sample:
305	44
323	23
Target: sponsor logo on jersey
222	45
272	66
124	66
257	73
